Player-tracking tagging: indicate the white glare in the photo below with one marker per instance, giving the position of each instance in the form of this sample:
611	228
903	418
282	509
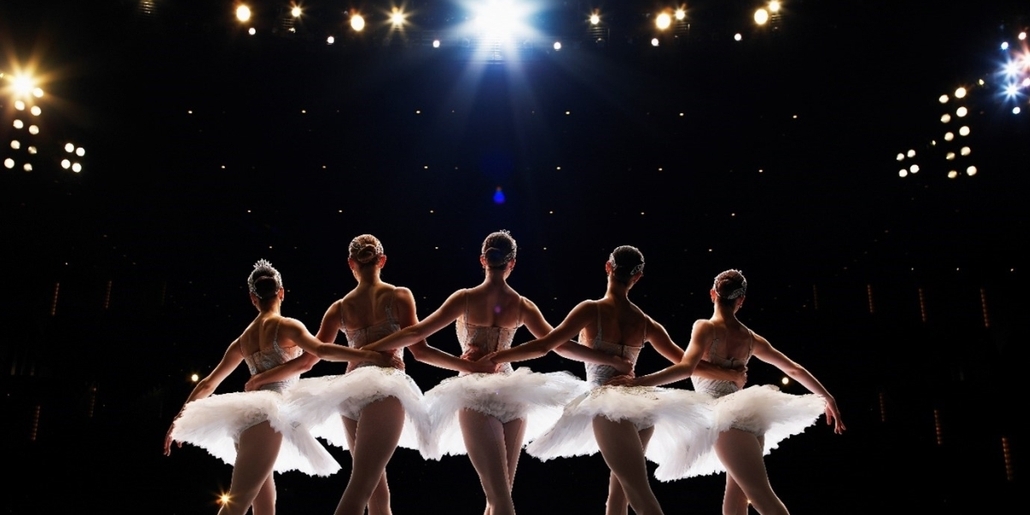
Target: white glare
69	148
903	173
15	144
252	31
22	85
960	93
1012	68
557	45
397	18
9	163
948	136
911	153
27	167
971	171
965	151
37	92
737	37
595	19
295	12
330	40
1022	36
76	168
962	111
80	151
901	157
36	111
654	41
680	14
32	150
1016	110
943	99
18	124
1011	90
436	43
66	164
19	105
963	131
33	130
243	13
945	118
914	169
357	22
950	156
663	21
774	6
952	174
761	16
1005	45
498	20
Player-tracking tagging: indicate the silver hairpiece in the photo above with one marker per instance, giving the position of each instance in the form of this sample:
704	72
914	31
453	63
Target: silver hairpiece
263	265
636	270
739	292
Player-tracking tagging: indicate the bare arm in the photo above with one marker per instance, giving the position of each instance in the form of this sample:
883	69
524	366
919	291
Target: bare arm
326	333
206	386
576	320
422	351
448	312
538	326
765	352
686	365
297	333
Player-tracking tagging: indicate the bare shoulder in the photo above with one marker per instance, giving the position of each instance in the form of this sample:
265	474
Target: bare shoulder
703	324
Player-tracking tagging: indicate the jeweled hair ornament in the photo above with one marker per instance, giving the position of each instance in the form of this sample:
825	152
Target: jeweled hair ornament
636	270
736	293
263	268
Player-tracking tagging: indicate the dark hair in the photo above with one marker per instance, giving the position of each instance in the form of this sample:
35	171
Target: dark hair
499	249
264	280
626	261
365	249
729	286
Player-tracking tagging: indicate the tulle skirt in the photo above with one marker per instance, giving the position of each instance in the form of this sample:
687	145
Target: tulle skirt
319	402
761	410
522	394
215	423
674	414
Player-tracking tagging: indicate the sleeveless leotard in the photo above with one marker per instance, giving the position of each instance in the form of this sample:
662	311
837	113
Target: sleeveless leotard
215	423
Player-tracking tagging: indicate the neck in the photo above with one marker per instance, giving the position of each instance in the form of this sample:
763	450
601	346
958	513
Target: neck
725	313
273	308
368	275
617	289
495	277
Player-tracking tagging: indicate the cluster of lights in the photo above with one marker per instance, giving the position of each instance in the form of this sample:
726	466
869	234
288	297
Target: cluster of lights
1015	72
23	92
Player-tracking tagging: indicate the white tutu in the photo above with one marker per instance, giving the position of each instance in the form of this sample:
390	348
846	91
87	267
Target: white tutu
673	413
319	402
215	423
761	410
537	398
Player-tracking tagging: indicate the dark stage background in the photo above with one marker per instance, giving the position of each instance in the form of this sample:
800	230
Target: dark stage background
207	148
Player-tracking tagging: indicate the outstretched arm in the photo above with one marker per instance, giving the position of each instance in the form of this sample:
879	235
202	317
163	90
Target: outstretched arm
576	320
765	352
326	333
686	365
570	349
206	386
422	351
295	331
450	310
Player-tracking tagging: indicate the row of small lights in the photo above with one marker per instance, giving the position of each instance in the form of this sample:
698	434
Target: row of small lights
398	18
23	88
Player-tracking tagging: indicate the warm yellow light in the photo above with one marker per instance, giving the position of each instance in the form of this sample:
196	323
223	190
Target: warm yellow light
69	148
595	19
680	14
36	111
971	171
66	164
22	85
774	6
19	105
242	12
295	11
761	16
397	17
948	136
952	174
785	380
76	168
15	144
357	22
960	93
943	99
945	118
80	151
663	21
963	131
195	377
9	163
962	111
965	151
223	499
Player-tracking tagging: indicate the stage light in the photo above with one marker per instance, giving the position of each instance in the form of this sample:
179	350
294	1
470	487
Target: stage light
19	105
1012	68
943	99
1016	110
965	151
15	144
903	173
37	92
911	153
952	174
22	85
194	378
1022	36
948	136
595	19
662	21
80	152
33	130
557	45
18	124
950	156
654	42
397	18
66	164
963	131
36	111
357	22
785	381
961	112
32	150
680	14
774	6
737	37
1011	91
761	16
436	43
27	167
945	118
69	148
77	168
960	93
295	11
9	163
252	31
913	169
901	157
242	13
971	171
1004	45
330	40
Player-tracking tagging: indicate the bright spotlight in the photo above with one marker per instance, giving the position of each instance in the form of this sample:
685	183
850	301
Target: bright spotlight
948	136
66	164
965	151
498	20
950	156
36	111
330	40
1016	110
774	6
945	118
913	169
595	19
9	163
436	43
32	150
680	14
1022	36
785	381
357	22
19	105
901	157
737	37
28	167
971	171
252	31
37	92
557	45
960	93
961	112
80	152
654	42
76	167
194	378
15	144
69	148
397	18
952	174
243	13
1011	90
963	131
18	124
663	21
295	12
22	85
1004	45
903	173
761	16
911	153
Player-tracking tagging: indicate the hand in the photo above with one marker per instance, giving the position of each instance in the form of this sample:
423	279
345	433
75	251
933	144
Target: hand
384	359
623	380
168	441
254	383
472	354
484	365
623	365
833	417
739	376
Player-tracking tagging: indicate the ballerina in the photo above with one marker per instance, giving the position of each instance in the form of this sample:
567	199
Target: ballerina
249	429
750	422
379	406
618	421
489	415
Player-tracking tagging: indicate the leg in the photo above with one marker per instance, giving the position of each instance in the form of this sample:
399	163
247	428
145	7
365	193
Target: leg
618	503
264	503
623	451
741	453
255	458
485	441
374	439
734	501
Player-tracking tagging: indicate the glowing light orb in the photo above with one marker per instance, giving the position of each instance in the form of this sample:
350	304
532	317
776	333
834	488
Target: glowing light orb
963	131
9	163
680	14
557	45
737	37
32	150
961	112
295	12
943	99
911	153
27	167
330	40
1005	45
761	16
37	92
901	157
36	111
903	173
66	164
15	144
195	377
223	499
945	118
69	148
952	174
499	196
1026	81
397	18
357	22
80	151
33	130
950	156
252	31
1022	36
19	105
22	85
948	136
1011	90
18	124
971	171
662	21
436	43
595	19
960	93
243	13
1016	110
774	6
654	42
76	168
785	381
913	169
965	151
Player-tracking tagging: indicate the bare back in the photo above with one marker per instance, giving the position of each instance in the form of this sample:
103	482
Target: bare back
493	306
730	342
619	321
